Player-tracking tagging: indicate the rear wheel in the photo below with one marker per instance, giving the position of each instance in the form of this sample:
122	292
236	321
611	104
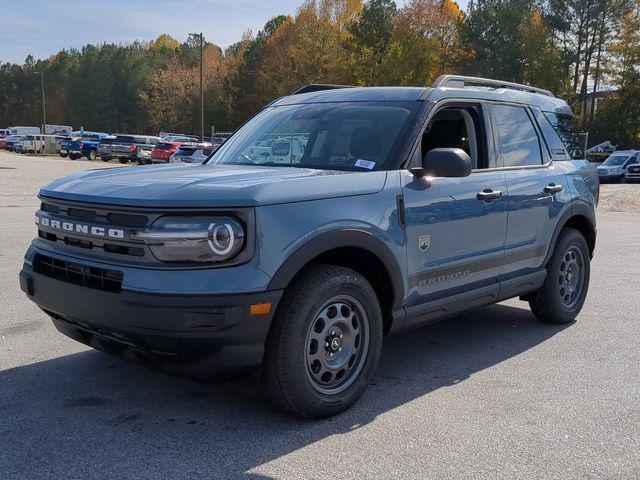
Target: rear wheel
91	155
74	156
123	160
565	289
324	345
63	155
105	159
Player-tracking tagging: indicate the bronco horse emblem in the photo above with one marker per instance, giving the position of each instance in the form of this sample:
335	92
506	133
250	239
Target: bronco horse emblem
424	241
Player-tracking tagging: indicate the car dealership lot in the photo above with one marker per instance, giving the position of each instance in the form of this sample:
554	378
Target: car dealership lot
491	394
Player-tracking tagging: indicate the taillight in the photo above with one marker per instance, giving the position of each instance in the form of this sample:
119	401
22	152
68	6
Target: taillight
133	149
81	146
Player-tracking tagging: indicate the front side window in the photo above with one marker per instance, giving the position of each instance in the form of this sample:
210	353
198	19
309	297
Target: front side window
356	136
519	143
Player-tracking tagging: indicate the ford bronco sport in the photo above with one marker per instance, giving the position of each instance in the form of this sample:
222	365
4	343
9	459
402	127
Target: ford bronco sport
408	205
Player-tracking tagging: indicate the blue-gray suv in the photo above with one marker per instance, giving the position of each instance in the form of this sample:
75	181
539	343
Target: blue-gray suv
405	206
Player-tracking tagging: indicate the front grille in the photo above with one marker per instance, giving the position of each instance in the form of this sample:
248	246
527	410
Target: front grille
105	218
83	275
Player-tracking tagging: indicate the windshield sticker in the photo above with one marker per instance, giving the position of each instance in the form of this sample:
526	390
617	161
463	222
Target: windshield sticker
368	164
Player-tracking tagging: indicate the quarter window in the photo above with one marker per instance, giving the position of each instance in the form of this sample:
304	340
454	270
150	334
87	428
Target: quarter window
568	131
519	143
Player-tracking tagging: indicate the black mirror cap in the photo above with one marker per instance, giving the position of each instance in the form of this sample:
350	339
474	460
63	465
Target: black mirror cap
447	162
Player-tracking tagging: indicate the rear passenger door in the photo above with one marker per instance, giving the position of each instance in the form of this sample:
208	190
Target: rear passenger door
537	190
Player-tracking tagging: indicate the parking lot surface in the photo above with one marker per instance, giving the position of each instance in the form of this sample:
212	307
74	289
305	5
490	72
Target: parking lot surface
490	394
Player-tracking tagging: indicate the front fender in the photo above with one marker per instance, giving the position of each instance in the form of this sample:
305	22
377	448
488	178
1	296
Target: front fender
331	240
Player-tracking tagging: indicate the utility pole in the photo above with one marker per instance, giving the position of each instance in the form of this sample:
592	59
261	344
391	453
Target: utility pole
44	109
201	87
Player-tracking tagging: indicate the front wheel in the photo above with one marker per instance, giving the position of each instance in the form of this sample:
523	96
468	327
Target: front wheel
324	344
562	296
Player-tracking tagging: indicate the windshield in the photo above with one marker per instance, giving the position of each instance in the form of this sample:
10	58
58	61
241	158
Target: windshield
333	136
616	160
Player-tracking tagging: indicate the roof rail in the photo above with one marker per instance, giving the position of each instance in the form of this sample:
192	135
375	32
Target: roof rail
461	81
316	87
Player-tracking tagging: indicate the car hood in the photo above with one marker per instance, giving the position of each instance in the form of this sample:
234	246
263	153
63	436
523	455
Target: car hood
194	185
606	168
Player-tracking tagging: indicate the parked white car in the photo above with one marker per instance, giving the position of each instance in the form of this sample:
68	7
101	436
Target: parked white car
613	169
39	143
192	153
632	174
286	151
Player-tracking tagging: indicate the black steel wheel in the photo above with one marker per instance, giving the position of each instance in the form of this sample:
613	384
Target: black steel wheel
568	272
324	343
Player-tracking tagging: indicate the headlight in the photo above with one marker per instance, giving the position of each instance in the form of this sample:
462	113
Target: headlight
194	239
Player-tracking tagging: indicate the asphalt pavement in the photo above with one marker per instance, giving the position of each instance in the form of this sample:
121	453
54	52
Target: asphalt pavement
490	394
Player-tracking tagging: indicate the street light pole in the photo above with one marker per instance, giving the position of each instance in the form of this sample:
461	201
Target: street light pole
44	104
201	87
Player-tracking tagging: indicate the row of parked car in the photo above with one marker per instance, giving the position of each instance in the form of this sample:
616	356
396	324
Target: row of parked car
142	149
620	166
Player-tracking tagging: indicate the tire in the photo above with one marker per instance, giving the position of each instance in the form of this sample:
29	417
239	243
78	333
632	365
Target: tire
123	160
91	155
105	159
63	155
560	300
316	306
74	156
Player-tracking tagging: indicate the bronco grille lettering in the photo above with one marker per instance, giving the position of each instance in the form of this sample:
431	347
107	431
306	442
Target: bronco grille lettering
81	228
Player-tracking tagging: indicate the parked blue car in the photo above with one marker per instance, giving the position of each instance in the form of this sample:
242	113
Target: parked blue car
85	146
407	206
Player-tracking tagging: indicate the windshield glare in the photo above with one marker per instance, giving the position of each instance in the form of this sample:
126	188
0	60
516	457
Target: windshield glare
616	160
332	136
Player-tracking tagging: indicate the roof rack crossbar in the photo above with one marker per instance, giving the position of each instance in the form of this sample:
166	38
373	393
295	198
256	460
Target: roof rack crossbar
316	87
456	80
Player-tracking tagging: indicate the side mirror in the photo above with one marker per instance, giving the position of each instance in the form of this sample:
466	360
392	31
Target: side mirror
444	162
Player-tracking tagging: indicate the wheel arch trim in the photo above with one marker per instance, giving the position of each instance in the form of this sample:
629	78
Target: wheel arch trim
327	241
576	210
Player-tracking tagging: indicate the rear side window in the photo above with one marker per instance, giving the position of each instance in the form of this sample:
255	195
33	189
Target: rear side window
519	143
551	138
568	132
124	139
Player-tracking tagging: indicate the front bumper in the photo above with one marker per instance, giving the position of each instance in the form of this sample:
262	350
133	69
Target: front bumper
196	335
632	178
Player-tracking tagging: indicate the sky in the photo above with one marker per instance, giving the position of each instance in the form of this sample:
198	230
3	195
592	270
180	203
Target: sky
42	28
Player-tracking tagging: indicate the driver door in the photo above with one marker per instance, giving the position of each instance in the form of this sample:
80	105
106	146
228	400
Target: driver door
455	227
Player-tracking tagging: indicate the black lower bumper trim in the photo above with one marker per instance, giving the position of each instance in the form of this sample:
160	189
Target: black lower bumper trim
194	335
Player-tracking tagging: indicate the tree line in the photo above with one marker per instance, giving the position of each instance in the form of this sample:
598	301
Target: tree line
575	48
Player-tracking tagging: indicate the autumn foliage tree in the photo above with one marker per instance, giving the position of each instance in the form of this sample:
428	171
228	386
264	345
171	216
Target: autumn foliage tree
574	48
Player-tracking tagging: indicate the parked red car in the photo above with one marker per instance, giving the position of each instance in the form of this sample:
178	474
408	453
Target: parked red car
167	147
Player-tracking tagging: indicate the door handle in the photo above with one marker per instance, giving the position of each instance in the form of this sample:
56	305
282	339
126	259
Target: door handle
553	188
488	194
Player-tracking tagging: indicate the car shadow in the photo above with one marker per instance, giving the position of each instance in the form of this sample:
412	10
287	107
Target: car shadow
88	414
